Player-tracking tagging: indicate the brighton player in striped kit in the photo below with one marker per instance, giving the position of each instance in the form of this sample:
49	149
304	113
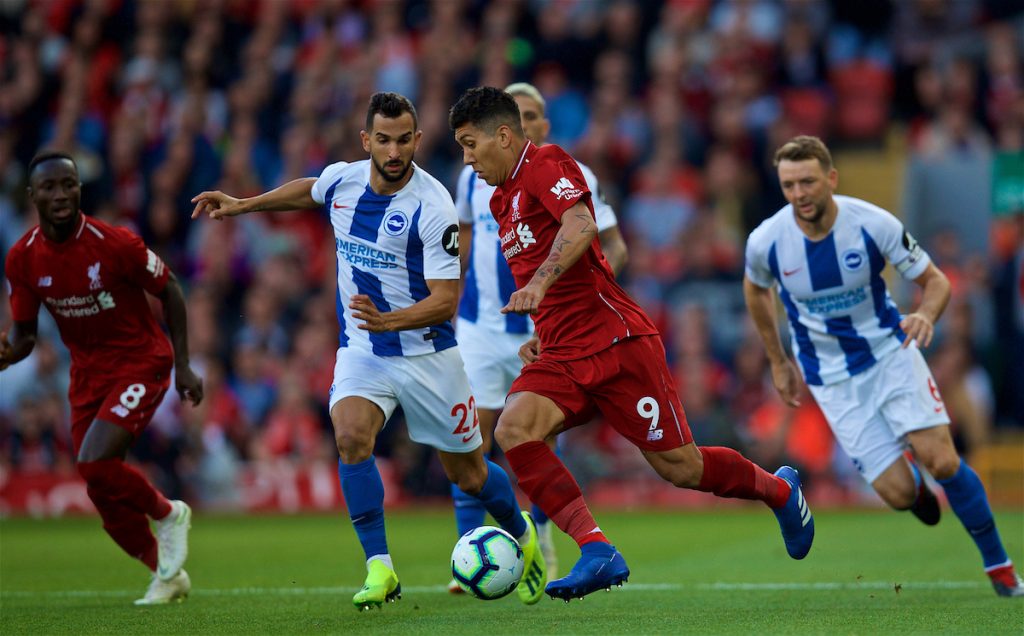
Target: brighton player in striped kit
824	255
489	340
397	246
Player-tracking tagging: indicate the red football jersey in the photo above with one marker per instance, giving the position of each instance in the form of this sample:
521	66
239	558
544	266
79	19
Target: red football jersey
94	284
585	311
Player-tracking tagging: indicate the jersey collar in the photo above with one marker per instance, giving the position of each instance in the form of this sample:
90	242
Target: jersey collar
522	158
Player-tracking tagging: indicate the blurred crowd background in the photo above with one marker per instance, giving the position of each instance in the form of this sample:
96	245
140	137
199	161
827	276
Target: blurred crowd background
677	106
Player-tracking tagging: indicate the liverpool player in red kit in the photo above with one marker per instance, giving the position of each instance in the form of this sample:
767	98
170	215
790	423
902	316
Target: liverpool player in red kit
597	349
93	279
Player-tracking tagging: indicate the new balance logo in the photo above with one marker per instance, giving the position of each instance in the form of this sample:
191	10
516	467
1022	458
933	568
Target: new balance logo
525	235
564	189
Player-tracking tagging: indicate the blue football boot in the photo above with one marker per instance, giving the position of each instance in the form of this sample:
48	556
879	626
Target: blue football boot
795	518
600	566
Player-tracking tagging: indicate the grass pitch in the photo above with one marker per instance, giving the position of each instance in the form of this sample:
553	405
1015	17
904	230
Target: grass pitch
710	571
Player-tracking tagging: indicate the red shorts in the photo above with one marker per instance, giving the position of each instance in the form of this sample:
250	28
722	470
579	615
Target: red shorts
629	382
126	401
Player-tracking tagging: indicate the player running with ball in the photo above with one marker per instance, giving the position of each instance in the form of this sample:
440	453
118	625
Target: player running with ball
597	349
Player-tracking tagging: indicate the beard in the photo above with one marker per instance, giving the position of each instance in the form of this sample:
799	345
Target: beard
392	178
816	214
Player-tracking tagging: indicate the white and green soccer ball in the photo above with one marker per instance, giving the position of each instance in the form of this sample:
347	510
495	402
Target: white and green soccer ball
487	562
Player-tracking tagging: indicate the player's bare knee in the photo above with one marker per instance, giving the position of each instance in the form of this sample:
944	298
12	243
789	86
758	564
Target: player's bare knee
470	482
942	465
352	446
511	432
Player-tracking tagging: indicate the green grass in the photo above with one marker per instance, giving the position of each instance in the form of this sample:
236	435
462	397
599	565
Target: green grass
717	571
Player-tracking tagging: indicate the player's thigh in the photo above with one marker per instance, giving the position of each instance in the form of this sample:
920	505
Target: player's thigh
492	362
934	449
542	400
638	396
363	396
440	409
862	432
128	403
896	485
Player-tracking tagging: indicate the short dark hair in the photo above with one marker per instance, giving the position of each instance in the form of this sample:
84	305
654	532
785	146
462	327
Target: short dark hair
803	148
47	155
390	105
487	108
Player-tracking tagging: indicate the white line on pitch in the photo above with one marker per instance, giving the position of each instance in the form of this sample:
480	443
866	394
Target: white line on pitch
439	589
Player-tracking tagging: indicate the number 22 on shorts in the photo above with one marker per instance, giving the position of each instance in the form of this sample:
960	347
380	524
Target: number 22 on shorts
647	408
466	428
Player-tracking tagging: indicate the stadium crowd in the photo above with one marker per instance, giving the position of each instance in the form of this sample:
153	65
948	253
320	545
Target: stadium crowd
677	106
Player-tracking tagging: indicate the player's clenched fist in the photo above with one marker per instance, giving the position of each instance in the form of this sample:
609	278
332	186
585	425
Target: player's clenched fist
217	204
524	301
530	351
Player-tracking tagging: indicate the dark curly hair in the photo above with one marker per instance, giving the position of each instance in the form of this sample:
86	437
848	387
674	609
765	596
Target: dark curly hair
390	105
487	108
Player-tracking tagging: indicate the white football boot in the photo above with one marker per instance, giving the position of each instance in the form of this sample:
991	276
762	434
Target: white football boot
172	540
162	592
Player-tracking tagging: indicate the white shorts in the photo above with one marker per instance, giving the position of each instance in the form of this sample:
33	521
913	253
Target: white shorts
492	361
872	412
432	388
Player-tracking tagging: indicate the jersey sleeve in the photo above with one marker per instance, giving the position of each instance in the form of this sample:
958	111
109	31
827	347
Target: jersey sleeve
756	267
464	195
603	213
24	303
556	181
331	176
140	264
439	233
897	244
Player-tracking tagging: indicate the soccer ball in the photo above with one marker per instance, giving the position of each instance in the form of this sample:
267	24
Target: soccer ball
487	562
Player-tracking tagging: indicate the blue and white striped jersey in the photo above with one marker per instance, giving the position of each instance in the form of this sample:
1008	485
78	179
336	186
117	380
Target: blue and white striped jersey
489	282
387	248
841	317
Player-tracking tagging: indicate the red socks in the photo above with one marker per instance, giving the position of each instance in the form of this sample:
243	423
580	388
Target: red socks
124	499
128	528
118	481
729	474
547	483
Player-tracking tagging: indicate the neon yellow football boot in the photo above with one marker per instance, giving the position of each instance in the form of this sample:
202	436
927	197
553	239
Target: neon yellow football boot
535	575
381	587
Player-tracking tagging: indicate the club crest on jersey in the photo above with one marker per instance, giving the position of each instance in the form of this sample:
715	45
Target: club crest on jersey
395	222
515	206
94	276
45	281
854	260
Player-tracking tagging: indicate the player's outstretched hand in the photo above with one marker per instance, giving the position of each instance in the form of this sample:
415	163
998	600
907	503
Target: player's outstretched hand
919	328
530	350
786	381
6	351
364	309
524	301
189	385
217	204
